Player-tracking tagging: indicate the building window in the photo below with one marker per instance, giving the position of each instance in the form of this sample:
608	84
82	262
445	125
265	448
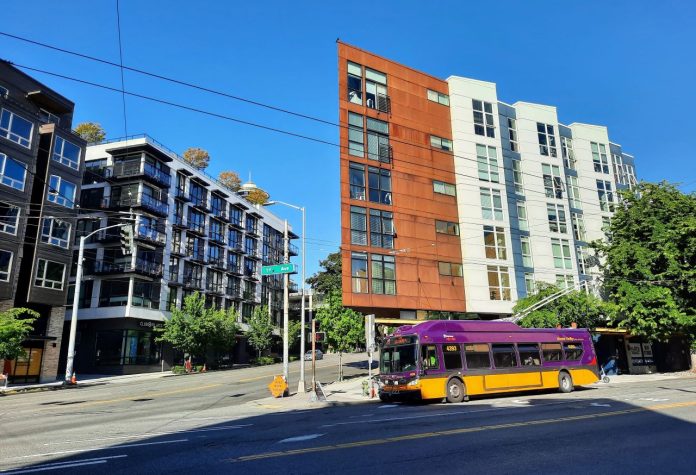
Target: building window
376	90
557	218
553	186
522	222
599	157
67	153
61	192
494	242
547	139
450	268
567	152
49	274
526	246
381	229
356	135
564	281
378	147
582	263
444	188
236	216
358	226
512	134
498	283
529	284
561	254
578	227
5	265
439	142
16	128
487	163
379	181
9	218
606	196
383	274
356	174
445	227
12	172
483	118
517	177
48	118
574	192
55	232
358	270
606	224
354	83
491	204
438	97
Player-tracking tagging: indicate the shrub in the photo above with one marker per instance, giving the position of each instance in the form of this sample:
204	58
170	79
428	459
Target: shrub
263	360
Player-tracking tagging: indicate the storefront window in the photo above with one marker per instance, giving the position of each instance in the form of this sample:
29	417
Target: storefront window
127	347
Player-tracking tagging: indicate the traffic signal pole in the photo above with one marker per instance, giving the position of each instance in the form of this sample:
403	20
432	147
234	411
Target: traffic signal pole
69	367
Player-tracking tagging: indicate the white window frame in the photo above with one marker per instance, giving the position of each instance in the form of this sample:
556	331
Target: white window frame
487	122
488	168
579	230
50	239
6	278
549	136
498	247
443	188
526	242
582	265
502	276
55	195
13	137
605	195
54	284
522	218
573	192
529	283
553	183
564	281
517	177
512	134
492	212
438	97
558	219
568	153
599	157
63	160
12	228
9	181
563	258
448	225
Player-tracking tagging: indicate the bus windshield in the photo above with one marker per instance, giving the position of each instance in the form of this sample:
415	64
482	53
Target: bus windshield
398	359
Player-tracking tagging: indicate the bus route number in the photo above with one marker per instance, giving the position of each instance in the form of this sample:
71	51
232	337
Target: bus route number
451	348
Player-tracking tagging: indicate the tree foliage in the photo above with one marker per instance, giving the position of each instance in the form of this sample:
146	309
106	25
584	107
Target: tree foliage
260	333
92	132
197	157
328	279
15	325
195	329
258	196
344	327
230	180
578	307
650	268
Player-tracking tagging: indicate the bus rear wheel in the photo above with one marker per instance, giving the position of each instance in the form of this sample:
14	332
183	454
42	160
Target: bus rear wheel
455	391
565	382
385	397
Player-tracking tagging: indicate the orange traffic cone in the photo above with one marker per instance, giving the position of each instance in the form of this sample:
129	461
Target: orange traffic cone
73	379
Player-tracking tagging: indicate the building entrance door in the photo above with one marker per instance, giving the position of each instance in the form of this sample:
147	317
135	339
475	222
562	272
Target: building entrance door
27	368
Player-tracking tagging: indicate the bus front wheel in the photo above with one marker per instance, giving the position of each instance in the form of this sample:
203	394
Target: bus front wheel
384	397
565	382
455	391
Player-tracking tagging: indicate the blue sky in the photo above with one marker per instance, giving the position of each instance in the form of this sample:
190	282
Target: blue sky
628	65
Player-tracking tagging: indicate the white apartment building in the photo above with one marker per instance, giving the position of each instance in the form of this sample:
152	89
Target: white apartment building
531	192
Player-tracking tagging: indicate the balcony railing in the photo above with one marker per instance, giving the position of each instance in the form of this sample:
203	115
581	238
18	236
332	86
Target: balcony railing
215	287
199	202
218	262
142	266
174	273
195	254
292	250
193	282
219	214
132	168
217	237
238	247
179	249
292	287
198	228
179	221
142	200
236	221
233	291
247	295
181	194
150	234
234	268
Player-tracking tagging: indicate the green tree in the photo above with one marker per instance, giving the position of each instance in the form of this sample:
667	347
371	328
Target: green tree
230	180
294	329
577	306
195	329
344	327
328	279
197	157
15	325
92	132
650	265
260	333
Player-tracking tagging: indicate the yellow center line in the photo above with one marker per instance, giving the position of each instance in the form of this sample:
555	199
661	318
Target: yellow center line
424	435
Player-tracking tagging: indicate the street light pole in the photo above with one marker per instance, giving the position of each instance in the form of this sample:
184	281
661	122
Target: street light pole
285	304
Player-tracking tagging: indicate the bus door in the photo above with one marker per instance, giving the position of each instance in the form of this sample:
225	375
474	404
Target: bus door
432	372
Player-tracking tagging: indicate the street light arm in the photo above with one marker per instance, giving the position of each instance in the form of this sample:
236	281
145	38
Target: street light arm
273	202
87	236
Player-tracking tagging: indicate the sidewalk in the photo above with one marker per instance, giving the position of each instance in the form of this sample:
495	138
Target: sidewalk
639	378
83	380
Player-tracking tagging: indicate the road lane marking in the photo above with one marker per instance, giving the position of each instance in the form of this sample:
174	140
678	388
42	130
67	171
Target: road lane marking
150	434
387	406
94	449
300	438
598	404
464	430
61	465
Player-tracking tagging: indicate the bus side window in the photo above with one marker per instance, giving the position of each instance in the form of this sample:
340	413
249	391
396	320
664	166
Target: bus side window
429	354
529	354
504	356
477	356
573	350
551	351
453	356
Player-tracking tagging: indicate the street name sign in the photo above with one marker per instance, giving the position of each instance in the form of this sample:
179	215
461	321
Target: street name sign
278	269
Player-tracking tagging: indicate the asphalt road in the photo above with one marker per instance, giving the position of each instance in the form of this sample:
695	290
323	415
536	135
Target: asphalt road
616	428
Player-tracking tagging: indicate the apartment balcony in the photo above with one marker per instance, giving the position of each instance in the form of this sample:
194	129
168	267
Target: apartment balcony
235	269
178	249
200	203
173	276
196	228
236	222
139	169
292	287
142	201
195	254
141	267
238	248
217	238
253	231
95	175
150	235
215	288
220	214
253	254
249	296
181	195
217	262
251	275
234	292
293	250
191	282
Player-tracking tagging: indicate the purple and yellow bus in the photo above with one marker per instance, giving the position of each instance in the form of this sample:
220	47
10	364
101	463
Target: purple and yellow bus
438	359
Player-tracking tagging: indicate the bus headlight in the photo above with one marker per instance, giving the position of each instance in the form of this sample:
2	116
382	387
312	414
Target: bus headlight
412	383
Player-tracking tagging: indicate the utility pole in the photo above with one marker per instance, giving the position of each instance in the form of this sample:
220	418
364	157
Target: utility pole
285	305
301	386
127	242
